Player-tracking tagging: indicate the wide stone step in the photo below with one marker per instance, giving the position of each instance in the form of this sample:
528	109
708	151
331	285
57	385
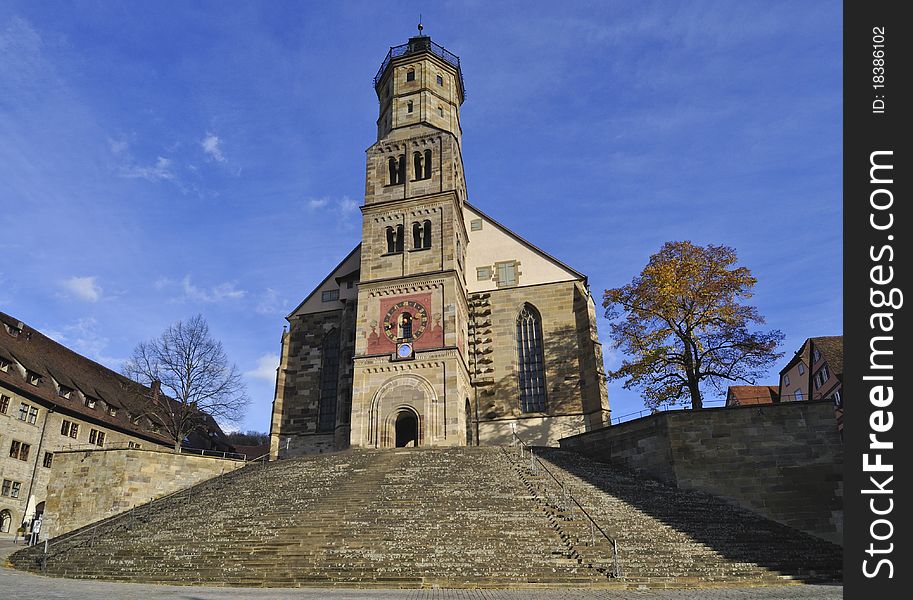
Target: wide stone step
477	517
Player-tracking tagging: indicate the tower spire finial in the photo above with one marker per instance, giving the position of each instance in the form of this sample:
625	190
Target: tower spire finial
420	26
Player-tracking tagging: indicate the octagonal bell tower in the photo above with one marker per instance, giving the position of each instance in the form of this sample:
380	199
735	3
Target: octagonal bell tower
411	380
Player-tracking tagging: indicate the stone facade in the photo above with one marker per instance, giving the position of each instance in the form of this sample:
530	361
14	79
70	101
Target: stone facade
783	461
430	354
91	485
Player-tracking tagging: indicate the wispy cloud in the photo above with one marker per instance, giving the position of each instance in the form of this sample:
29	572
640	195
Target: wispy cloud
82	336
118	146
212	146
266	368
270	303
347	206
224	291
160	170
82	288
317	203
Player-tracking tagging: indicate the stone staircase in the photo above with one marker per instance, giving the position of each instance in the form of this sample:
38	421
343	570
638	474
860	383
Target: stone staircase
667	535
460	517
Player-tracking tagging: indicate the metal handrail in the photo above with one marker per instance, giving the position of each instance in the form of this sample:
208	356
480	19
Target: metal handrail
651	411
214	453
616	572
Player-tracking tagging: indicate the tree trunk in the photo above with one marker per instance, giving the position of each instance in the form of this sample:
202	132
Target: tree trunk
697	402
177	447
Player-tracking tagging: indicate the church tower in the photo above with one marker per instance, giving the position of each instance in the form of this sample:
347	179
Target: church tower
442	327
411	379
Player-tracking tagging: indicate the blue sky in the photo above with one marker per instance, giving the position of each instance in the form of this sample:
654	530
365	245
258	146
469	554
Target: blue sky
166	158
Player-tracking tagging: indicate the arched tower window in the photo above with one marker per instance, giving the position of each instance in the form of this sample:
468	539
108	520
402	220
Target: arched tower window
426	234
391	240
531	362
393	168
409	106
329	378
400	238
394	239
418	170
401	172
421	234
410	75
417	235
427	174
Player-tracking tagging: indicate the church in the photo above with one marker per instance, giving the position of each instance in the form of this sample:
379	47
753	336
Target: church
442	327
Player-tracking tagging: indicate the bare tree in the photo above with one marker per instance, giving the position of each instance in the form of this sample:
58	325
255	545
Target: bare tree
195	375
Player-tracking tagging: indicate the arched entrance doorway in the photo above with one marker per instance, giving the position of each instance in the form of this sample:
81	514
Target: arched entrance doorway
5	519
406	429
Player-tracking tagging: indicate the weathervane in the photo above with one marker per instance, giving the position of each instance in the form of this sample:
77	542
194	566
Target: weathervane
420	26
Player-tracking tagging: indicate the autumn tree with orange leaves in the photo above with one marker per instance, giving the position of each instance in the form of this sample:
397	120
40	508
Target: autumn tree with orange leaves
682	323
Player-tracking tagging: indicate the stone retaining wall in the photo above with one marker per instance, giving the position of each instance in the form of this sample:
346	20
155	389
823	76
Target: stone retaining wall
89	485
783	461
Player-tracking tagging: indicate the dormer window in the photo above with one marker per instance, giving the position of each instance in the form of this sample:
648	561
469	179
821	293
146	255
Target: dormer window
90	402
4	365
13	330
64	391
32	377
410	76
112	411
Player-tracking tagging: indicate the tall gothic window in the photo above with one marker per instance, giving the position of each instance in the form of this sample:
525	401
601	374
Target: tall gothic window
329	376
530	360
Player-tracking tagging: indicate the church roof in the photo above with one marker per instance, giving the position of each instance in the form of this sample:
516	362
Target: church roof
50	360
335	273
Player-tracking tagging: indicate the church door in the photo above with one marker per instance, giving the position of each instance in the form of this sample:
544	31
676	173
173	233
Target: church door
406	429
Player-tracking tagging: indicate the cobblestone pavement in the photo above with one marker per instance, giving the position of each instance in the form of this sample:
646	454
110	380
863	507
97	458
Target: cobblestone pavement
19	585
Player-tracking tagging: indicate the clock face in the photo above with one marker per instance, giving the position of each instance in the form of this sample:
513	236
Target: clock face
405	320
404	350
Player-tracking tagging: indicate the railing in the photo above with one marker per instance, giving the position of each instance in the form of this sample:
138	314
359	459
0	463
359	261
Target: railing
649	411
214	453
86	447
536	462
424	43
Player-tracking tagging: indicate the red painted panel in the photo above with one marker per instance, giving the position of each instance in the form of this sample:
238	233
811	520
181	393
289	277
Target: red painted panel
427	330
